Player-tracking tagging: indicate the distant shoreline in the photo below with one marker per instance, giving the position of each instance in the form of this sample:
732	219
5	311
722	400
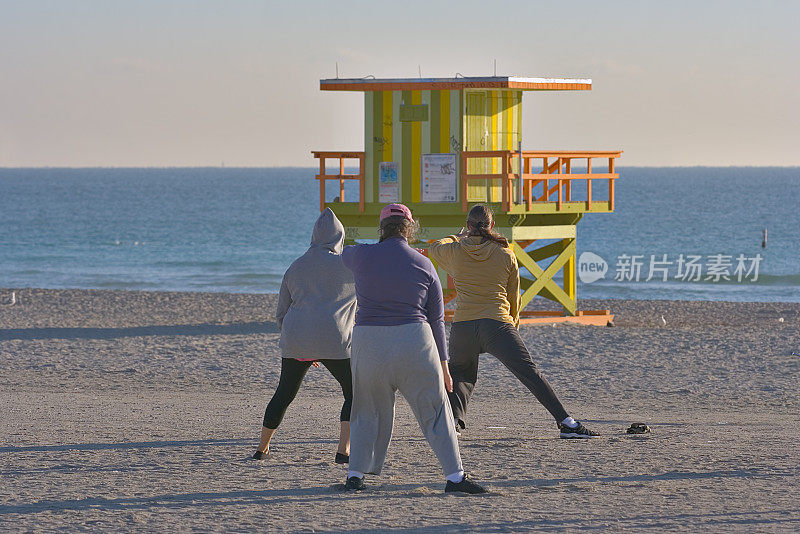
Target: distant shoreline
315	167
205	313
536	304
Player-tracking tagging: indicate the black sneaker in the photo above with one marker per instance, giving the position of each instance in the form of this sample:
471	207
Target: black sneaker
579	432
342	458
258	455
467	485
354	484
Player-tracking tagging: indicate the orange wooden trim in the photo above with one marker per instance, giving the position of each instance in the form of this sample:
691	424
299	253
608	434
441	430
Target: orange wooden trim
486	153
321	185
341	180
338	177
528	195
464	183
584	317
417	86
572	153
322	156
346	155
588	194
558	203
611	194
611	184
504	184
564	177
527	188
361	181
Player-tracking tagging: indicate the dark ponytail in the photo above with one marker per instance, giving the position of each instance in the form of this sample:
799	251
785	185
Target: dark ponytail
479	223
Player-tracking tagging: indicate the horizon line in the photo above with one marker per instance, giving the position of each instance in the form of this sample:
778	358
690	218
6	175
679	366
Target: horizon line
316	167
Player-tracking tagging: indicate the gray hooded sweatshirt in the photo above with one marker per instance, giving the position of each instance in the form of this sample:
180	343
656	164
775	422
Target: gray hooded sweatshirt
317	302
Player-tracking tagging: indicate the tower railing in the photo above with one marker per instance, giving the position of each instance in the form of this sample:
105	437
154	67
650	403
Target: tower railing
323	177
557	164
547	176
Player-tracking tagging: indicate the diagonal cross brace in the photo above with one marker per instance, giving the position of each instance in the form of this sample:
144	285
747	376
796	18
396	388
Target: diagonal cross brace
544	278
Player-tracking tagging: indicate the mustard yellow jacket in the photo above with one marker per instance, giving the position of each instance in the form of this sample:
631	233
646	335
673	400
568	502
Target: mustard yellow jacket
486	276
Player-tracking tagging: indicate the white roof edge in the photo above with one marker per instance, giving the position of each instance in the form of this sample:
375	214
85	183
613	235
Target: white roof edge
549	80
463	79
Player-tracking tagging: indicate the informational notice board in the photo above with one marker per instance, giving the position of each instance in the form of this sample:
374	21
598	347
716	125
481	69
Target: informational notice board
388	185
439	179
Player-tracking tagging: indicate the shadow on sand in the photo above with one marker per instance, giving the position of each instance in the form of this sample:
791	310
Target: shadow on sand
236	329
129	445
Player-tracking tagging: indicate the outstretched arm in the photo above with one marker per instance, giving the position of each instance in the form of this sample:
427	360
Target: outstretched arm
443	252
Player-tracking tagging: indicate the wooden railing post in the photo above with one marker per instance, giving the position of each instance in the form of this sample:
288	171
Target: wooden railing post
341	180
569	182
611	184
546	181
560	184
361	180
504	181
464	181
528	185
321	179
589	194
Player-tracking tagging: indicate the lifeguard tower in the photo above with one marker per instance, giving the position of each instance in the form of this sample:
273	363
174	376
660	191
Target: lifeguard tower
439	145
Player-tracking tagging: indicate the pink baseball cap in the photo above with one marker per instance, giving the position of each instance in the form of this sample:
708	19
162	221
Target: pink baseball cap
396	209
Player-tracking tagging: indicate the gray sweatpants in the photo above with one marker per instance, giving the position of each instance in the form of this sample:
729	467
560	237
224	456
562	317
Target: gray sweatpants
386	359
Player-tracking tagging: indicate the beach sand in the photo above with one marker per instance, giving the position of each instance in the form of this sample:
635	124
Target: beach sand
132	411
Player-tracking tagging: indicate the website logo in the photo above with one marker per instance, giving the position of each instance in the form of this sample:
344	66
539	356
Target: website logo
591	267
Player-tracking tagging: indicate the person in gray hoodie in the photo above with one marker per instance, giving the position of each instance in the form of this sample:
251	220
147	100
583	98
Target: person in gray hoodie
316	312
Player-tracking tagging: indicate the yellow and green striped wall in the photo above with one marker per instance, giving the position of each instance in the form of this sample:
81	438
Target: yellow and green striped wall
388	138
401	126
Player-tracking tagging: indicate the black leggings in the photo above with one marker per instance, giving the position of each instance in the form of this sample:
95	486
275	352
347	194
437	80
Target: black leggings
468	339
292	373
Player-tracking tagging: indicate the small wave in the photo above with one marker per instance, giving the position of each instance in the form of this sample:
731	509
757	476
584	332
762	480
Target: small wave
778	279
239	280
119	243
189	263
762	280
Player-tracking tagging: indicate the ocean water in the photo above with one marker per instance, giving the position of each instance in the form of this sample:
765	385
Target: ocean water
237	230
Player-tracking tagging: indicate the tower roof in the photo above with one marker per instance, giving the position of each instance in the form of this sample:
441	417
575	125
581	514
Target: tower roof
474	82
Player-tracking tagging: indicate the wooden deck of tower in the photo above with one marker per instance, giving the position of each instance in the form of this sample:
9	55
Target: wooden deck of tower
440	145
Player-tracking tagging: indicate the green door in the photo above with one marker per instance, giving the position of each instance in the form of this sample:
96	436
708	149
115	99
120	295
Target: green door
477	136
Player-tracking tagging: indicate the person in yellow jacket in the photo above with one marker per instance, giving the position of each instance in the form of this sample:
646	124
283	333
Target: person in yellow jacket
486	319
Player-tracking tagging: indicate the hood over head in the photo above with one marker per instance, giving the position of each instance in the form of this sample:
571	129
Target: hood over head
328	232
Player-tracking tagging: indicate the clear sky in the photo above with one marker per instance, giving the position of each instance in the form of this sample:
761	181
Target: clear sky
194	83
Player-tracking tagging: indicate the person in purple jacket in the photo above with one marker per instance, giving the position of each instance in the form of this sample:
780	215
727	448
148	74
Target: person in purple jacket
399	344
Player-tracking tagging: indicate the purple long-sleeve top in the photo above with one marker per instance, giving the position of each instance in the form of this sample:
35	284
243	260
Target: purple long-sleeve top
396	285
